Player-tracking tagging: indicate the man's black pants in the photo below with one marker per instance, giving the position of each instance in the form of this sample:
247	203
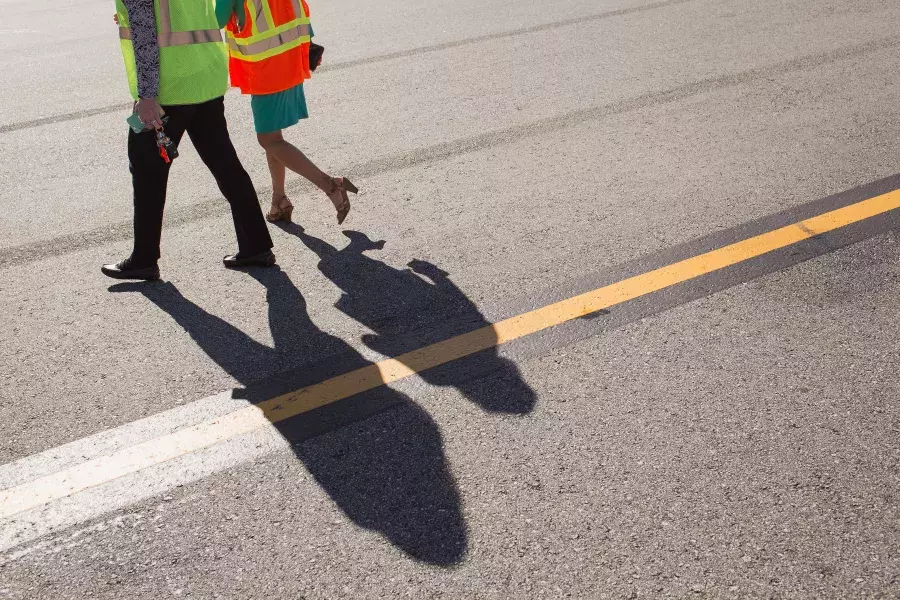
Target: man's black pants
205	124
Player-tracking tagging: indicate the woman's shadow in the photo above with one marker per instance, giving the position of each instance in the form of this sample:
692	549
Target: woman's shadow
412	308
387	473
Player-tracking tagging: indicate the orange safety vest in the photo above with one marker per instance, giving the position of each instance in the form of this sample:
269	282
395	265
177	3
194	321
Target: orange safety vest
271	53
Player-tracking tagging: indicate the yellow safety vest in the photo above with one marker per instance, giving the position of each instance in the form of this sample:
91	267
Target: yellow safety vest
193	59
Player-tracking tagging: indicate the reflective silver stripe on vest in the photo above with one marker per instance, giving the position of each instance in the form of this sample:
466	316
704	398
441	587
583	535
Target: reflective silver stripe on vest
180	38
262	25
298	9
165	20
271	43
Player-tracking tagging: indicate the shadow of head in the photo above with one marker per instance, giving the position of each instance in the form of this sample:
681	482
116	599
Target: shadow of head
389	474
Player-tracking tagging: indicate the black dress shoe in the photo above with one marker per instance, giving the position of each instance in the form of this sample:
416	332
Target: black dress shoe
124	270
263	259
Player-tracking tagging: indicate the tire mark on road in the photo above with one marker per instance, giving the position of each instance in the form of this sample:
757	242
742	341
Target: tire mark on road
102	110
81	114
66	244
621	12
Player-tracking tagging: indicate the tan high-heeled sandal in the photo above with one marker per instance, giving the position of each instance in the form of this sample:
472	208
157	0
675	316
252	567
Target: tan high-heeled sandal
338	196
280	211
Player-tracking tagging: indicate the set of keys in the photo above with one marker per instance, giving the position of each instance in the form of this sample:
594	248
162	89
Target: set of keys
168	151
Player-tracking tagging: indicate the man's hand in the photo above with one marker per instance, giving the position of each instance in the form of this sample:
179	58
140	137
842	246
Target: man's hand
149	113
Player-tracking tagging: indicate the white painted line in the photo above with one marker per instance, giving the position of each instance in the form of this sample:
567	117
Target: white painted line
25	527
111	441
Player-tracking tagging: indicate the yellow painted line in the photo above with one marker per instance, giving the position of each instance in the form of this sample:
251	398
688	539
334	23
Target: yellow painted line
154	452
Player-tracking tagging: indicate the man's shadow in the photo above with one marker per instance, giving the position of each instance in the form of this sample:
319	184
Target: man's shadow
411	308
389	473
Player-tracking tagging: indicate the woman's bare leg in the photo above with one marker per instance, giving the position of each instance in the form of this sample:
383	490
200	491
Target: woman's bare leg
281	208
278	172
290	156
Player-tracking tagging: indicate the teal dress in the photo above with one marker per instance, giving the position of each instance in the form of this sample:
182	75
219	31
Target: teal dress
271	112
274	112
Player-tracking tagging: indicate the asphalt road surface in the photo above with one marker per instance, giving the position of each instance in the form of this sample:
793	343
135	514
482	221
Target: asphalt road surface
614	315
